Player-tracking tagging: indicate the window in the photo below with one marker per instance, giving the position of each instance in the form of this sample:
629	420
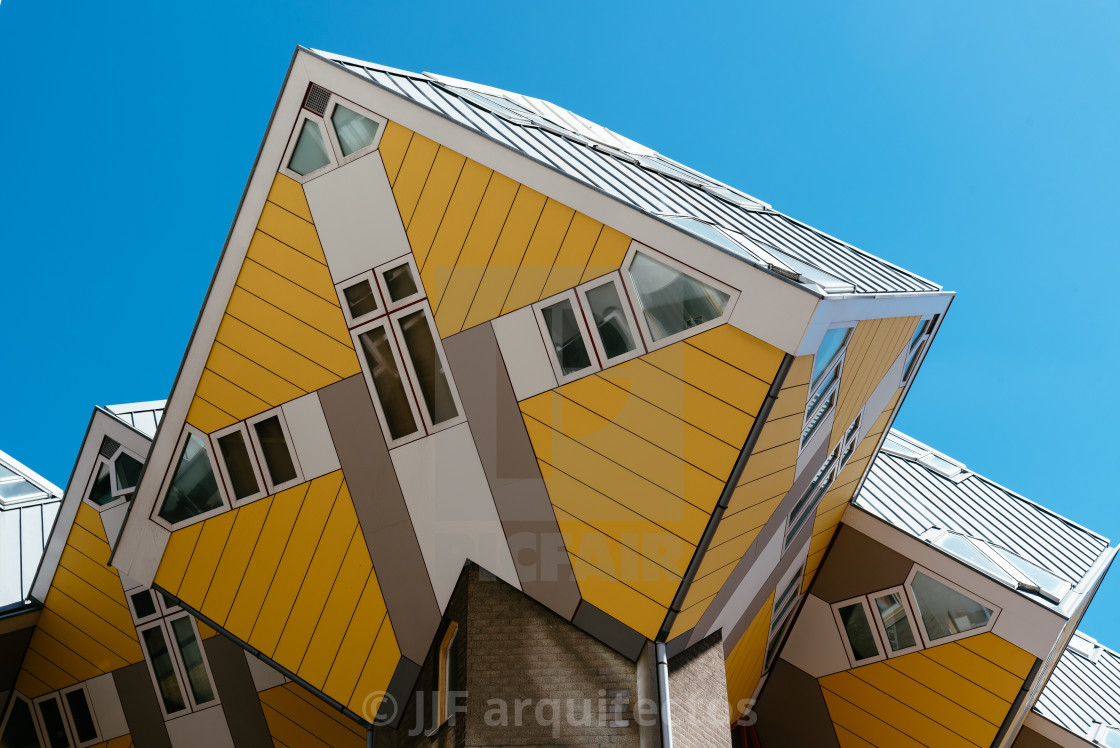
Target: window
192	492
1107	735
238	463
53	722
566	337
427	367
945	612
895	621
917	344
177	664
399	282
448	665
82	722
385	379
359	301
806	506
18	729
310	152
673	301
116	476
607	309
329	132
1005	566
781	615
860	640
61	719
271	441
824	384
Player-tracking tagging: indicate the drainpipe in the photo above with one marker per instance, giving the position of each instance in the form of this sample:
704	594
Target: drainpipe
663	696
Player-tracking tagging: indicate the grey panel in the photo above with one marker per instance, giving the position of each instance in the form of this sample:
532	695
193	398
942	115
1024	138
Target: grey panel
141	706
856	565
398	693
238	693
615	634
1028	738
13	645
382	514
731	638
522	501
791	710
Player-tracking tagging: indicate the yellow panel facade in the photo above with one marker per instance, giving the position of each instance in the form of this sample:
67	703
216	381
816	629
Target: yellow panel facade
744	664
955	694
283	334
295	717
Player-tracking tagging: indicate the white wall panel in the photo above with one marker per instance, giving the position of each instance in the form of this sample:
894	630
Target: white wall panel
106	705
814	644
523	349
310	436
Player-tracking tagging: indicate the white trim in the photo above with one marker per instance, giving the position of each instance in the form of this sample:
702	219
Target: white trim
386	297
157	612
861	601
915	350
803	508
900	591
1055	732
258	449
226	504
550	347
160	624
116	500
862	307
926	639
615	279
827	388
115	490
340	289
223	468
406	356
334	101
390	335
293	139
70	716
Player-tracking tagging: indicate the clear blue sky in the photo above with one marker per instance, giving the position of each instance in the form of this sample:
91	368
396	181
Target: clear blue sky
977	144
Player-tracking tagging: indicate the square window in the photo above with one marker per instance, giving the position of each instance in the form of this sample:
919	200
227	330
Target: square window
861	641
615	331
566	337
238	463
400	282
271	441
360	299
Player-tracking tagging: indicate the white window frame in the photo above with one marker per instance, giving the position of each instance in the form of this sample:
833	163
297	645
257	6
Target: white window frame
643	325
351	321
860	600
828	388
70	717
832	466
258	472
383	286
140	621
332	136
780	618
258	451
117	500
581	323
390	334
165	486
849	440
180	669
414	379
1100	732
41	724
926	641
915	351
882	627
17	696
991	552
119	491
614	278
332	154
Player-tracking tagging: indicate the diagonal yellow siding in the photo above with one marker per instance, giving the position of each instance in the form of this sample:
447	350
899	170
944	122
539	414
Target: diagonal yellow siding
283	334
955	694
873	349
296	717
744	663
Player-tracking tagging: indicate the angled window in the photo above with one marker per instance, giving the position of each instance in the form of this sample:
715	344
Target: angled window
271	441
448	664
329	132
615	331
142	604
427	367
895	622
101	492
309	154
946	612
1005	566
917	344
674	301
400	282
52	720
189	650
354	131
1033	578
860	640
162	666
192	492
80	717
238	463
361	301
849	441
18	728
806	506
1106	735
126	472
824	384
177	664
566	337
785	600
385	379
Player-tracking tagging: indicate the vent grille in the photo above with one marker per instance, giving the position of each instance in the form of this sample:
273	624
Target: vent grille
316	100
108	447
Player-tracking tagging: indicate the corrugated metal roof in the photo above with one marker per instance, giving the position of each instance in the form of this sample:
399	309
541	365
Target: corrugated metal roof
917	489
1085	688
28	506
631	173
144	417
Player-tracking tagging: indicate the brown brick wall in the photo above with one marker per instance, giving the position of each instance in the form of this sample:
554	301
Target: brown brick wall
698	696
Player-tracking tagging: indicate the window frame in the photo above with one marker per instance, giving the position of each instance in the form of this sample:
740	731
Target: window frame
781	613
164	624
916	348
444	674
391	306
70	716
332	136
639	313
41	724
992	552
926	641
258	472
831	465
582	290
7	715
116	491
828	387
293	139
866	603
882	626
410	371
340	287
390	334
581	322
258	449
116	500
169	476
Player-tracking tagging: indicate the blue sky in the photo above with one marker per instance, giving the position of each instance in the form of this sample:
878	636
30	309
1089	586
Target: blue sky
973	143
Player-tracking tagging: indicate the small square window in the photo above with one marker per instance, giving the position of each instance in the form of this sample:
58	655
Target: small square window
615	331
143	605
360	299
400	282
238	463
861	641
272	444
564	329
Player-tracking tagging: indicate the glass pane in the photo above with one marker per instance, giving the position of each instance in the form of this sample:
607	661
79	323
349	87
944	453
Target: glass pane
310	152
20	730
166	682
102	491
918	334
831	344
194	489
82	716
428	367
128	470
858	629
361	299
197	678
1054	586
5	473
387	382
354	131
967	552
610	320
567	340
169	603
143	604
400	282
1111	738
277	457
672	301
54	724
239	464
900	635
945	611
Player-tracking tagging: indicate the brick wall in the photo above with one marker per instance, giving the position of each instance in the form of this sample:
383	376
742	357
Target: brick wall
698	696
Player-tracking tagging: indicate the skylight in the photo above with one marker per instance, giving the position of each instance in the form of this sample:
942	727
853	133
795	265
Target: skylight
903	446
1005	566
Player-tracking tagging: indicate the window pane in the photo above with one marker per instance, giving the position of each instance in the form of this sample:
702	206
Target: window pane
20	730
102	491
899	633
194	489
197	678
428	367
361	299
672	301
610	320
354	131
858	629
387	382
567	340
1111	738
239	464
967	552
54	724
128	470
143	605
23	490
82	716
277	458
1054	586
945	611
166	682
400	282
310	152
831	344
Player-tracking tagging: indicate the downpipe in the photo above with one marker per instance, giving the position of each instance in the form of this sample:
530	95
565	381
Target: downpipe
663	695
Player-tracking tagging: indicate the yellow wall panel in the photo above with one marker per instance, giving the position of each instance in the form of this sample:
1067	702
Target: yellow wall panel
293	265
1002	652
741	350
433	201
849	739
608	254
540	254
247	524
46	672
295	719
873	349
365	626
713	375
104	578
295	299
571	260
781	431
288	194
980	671
866	725
176	557
277	357
206	417
618	600
111	610
744	664
749	518
377	672
436	271
689	616
291	230
393	145
30	686
959	689
62	630
207	554
410	179
254	378
228	396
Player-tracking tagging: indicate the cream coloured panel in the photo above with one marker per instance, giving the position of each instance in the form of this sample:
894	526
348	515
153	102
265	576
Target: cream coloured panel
749	587
356	217
206	727
524	352
814	645
310	436
452	509
106	705
112	520
264	676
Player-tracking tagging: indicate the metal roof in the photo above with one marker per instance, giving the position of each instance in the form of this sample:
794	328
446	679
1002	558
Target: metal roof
1085	687
636	175
918	489
28	506
144	417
